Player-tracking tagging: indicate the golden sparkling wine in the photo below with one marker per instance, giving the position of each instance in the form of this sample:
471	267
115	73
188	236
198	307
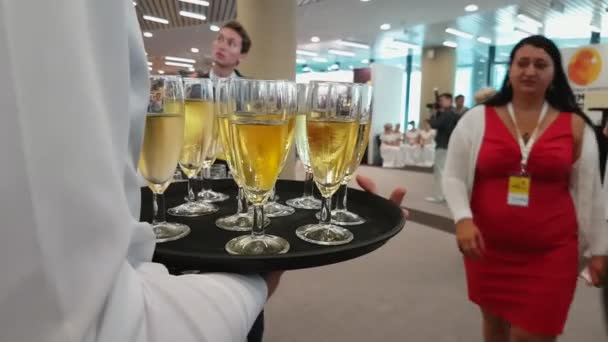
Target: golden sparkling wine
172	106
224	137
331	144
215	148
198	129
291	125
301	140
362	141
163	138
259	149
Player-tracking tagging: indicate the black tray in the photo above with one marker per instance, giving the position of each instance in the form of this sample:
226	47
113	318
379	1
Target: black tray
203	248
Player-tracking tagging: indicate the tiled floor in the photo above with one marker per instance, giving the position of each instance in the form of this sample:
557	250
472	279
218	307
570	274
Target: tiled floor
412	289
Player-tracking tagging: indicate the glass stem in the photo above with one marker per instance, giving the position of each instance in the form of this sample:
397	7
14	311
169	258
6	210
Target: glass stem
258	220
271	198
206	175
308	185
241	202
158	208
325	217
191	194
343	194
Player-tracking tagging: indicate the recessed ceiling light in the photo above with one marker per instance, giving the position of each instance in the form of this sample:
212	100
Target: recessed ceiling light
194	50
451	44
341	53
306	69
184	65
365	61
400	45
149	68
161	72
484	40
471	8
351	67
365	0
191	69
385	27
134	3
179	59
334	66
315	39
458	33
214	28
300	61
353	44
524	32
320	59
192	15
148	34
149	63
155	19
306	53
196	2
529	20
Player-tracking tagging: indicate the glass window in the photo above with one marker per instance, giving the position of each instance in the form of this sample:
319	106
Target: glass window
463	83
413	111
499	72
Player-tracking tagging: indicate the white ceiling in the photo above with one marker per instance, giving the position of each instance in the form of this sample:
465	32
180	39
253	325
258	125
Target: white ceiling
360	21
421	22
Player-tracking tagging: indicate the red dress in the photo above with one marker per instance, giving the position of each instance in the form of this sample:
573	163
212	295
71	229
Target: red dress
528	273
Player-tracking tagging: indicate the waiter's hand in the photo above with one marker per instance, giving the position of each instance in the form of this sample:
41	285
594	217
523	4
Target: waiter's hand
597	270
469	239
396	196
272	281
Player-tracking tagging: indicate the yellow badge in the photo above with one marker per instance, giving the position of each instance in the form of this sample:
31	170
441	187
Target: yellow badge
519	191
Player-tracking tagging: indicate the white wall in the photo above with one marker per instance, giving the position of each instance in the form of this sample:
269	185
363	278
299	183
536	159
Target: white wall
334	76
389	100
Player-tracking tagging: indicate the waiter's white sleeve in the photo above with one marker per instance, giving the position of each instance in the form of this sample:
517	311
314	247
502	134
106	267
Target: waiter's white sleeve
74	260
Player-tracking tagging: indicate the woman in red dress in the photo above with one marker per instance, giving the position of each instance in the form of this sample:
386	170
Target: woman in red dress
520	235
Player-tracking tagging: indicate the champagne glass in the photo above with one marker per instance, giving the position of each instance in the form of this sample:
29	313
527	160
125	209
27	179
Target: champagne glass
207	194
163	139
332	124
198	139
307	201
341	215
259	133
242	220
274	208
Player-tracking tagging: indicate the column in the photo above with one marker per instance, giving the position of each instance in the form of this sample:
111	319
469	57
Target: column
438	70
272	27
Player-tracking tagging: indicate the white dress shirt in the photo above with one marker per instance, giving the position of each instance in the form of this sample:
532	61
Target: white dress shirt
215	77
74	258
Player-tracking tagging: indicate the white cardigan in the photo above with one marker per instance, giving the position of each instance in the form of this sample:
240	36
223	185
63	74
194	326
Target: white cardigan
585	185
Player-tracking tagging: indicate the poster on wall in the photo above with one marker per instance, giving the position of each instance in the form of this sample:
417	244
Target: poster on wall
587	67
587	71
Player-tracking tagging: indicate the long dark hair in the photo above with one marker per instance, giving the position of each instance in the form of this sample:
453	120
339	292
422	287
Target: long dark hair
559	95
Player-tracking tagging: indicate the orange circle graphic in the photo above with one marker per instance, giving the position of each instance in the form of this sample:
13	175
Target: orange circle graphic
585	66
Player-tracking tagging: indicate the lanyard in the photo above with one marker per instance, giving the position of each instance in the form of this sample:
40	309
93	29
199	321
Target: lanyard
527	147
